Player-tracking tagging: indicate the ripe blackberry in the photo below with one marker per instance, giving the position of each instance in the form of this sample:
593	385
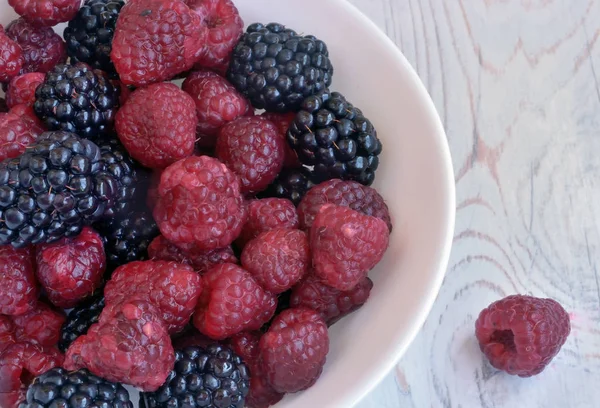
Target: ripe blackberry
53	190
74	98
89	35
211	377
292	184
80	319
277	68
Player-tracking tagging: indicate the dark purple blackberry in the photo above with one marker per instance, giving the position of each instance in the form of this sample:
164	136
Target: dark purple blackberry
53	190
89	35
211	377
334	137
80	319
276	68
292	184
76	99
74	389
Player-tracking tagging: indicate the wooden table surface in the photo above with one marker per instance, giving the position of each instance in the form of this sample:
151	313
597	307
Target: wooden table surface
516	83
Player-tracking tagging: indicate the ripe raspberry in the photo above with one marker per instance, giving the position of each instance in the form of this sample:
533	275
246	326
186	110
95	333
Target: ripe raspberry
225	27
346	245
42	48
268	214
40	325
252	148
11	58
351	194
277	259
26	113
522	334
46	13
161	249
294	350
16	133
232	302
7	332
130	344
18	292
171	287
200	183
283	121
71	268
21	89
155	40
217	103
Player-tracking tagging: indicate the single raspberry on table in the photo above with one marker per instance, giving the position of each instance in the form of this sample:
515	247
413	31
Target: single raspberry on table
346	245
522	334
16	133
7	332
294	350
200	183
40	325
130	344
277	259
268	214
158	134
46	13
21	89
155	40
19	291
217	103
231	302
251	148
171	287
11	58
283	122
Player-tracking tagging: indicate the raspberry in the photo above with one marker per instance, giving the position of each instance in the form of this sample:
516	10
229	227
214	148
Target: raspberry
225	27
252	148
232	302
200	183
16	133
351	194
18	292
46	12
40	325
346	245
522	334
22	89
158	134
268	214
72	268
26	113
331	303
7	332
217	103
283	121
42	48
161	249
11	58
277	259
171	287
155	40
130	344
294	350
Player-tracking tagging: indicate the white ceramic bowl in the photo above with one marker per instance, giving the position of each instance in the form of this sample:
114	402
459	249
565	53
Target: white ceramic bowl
415	177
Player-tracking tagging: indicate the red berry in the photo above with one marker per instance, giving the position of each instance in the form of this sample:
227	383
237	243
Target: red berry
252	148
277	259
217	103
331	303
294	350
40	325
522	334
232	302
18	292
351	194
7	332
155	40
346	245
200	183
158	134
130	344
21	89
283	122
268	214
26	113
11	58
16	133
46	12
42	48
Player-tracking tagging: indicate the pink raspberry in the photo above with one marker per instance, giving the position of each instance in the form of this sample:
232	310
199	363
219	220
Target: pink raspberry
283	121
16	133
158	134
18	292
217	103
26	113
21	89
7	332
232	302
40	325
252	148
522	334
268	214
46	12
200	183
294	350
11	58
155	40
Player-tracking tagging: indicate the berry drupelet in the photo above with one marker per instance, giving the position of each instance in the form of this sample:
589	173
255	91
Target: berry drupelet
291	184
80	319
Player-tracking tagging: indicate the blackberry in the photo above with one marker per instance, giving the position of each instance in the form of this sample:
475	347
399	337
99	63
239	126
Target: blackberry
53	190
276	68
89	35
76	99
211	377
75	389
292	184
334	137
80	319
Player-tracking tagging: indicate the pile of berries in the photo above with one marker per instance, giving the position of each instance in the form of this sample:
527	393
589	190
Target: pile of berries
176	239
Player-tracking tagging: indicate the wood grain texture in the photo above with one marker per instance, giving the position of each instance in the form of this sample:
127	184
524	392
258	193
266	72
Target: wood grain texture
516	83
